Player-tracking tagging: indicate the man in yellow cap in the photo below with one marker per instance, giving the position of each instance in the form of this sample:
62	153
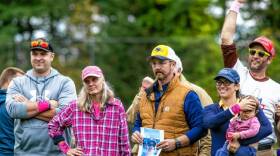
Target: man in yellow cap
170	106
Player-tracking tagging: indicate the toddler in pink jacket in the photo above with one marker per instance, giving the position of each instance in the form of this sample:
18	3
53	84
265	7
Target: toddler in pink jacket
243	126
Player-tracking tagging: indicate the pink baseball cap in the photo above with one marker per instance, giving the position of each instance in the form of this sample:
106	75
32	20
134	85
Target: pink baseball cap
266	43
91	71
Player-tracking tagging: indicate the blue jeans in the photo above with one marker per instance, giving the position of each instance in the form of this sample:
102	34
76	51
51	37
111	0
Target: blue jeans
223	151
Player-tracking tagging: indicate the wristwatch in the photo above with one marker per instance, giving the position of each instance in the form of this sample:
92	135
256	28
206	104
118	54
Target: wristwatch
177	143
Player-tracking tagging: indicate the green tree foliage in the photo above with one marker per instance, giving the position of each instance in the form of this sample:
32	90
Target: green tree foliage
119	35
137	26
20	19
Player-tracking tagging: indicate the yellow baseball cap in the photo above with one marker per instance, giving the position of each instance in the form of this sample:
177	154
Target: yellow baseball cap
163	52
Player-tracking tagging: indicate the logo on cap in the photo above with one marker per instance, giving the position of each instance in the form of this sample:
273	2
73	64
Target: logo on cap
160	50
163	52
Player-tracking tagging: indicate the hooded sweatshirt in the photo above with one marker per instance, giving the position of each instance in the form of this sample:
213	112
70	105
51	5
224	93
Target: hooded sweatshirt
31	134
7	139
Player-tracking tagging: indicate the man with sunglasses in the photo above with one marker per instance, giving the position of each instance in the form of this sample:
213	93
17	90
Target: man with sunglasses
171	106
254	80
33	99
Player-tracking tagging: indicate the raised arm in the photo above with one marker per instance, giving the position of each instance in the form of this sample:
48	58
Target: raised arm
229	26
228	47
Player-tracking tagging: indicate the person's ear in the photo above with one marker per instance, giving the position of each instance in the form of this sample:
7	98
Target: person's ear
269	60
237	86
52	56
173	64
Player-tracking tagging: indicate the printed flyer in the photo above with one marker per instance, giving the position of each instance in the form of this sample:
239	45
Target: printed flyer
151	137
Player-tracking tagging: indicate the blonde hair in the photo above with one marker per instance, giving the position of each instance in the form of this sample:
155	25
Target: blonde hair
84	99
8	74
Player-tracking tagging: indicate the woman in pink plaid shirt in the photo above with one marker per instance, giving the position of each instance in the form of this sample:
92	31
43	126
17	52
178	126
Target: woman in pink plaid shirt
97	118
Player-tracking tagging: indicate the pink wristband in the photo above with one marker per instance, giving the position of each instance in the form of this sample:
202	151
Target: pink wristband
63	147
43	106
235	109
235	6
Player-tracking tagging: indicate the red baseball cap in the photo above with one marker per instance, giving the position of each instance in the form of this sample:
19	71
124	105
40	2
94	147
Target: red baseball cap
91	71
266	43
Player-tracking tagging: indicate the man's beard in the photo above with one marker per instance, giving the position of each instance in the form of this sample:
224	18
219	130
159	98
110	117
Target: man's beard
258	67
160	76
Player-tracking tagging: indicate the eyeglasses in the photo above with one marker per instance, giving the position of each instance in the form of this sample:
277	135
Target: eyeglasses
260	53
223	82
159	62
40	43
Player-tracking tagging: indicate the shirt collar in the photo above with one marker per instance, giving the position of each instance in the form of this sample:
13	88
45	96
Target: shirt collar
164	87
224	106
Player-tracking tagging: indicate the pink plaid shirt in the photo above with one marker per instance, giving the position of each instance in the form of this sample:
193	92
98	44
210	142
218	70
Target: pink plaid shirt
106	135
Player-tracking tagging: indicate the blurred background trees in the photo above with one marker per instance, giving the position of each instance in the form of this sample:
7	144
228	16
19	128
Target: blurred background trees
118	36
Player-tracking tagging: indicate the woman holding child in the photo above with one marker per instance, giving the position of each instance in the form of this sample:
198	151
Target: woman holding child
217	117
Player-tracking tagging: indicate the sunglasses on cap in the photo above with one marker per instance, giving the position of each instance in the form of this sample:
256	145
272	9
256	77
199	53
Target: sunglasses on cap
223	82
39	43
260	53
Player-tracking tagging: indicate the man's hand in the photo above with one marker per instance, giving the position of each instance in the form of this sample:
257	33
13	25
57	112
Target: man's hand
167	145
53	103
137	138
20	98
